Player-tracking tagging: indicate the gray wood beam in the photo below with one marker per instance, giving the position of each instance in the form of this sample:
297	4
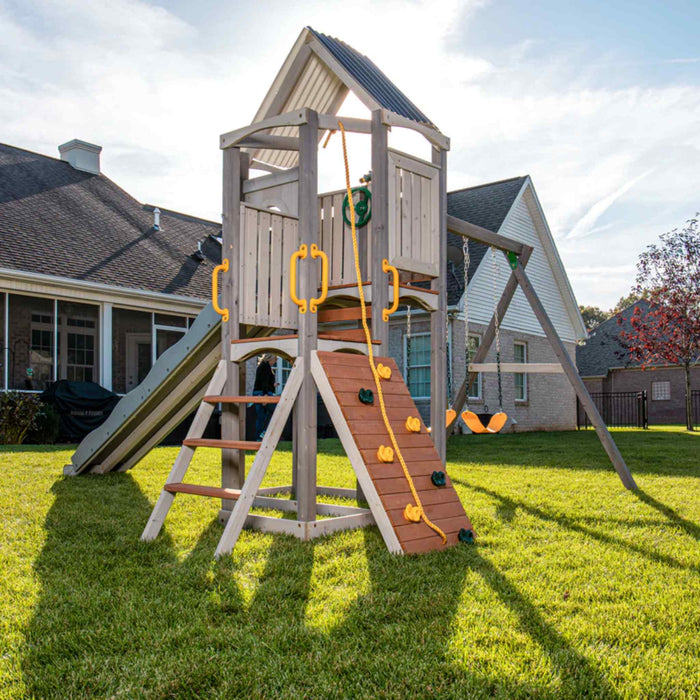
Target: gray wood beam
483	235
380	229
270	142
305	407
438	319
575	379
232	415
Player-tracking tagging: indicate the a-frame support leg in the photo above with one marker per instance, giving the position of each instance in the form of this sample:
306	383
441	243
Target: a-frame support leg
482	351
184	456
262	460
575	379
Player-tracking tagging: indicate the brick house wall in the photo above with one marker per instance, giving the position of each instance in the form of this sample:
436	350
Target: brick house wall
661	412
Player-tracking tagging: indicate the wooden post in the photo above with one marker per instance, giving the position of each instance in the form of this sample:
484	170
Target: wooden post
438	319
232	415
305	408
380	229
480	355
575	379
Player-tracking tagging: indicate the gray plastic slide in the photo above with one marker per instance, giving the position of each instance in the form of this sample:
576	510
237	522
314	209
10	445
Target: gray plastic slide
170	392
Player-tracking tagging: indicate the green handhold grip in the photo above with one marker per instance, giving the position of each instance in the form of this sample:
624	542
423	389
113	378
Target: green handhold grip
466	536
438	478
366	396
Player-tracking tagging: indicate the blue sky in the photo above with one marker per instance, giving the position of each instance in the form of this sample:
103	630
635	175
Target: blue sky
598	101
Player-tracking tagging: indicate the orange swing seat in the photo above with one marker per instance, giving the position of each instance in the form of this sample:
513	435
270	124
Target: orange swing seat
495	424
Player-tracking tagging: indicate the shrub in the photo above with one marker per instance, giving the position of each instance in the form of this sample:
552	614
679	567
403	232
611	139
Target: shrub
18	414
46	428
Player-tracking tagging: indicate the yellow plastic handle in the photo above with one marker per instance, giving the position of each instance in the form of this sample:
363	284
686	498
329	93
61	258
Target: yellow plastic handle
298	255
392	309
316	252
215	290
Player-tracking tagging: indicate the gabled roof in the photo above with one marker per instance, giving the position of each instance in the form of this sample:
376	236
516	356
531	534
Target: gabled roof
604	348
68	223
483	205
318	73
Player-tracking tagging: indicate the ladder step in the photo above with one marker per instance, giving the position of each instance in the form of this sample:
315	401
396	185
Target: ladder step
241	399
351	313
222	444
196	490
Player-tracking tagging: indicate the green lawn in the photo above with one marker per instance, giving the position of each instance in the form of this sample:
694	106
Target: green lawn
576	588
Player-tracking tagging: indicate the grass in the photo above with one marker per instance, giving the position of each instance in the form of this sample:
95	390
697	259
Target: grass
576	588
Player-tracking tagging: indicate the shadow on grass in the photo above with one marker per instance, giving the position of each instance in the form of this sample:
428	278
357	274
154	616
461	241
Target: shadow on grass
691	528
120	617
581	450
507	507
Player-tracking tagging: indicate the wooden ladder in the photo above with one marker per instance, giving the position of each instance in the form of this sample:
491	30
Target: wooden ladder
243	498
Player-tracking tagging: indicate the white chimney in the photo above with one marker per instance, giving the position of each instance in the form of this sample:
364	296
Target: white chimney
81	155
156	219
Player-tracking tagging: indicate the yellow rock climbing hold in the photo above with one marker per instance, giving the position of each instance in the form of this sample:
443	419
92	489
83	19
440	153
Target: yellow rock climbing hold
413	424
383	371
412	513
385	454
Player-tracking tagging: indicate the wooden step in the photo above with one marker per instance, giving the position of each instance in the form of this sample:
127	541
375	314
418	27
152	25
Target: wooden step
348	313
222	444
209	491
352	335
241	399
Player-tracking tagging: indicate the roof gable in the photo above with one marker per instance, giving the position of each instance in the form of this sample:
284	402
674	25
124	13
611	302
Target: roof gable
318	73
68	223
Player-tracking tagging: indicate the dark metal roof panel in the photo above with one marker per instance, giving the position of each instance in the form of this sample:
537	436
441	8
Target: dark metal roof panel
371	78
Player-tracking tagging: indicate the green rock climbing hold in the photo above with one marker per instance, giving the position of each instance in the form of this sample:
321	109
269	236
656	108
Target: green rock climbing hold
366	396
466	536
438	478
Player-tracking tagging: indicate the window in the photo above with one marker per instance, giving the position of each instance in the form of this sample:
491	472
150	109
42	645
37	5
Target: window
81	357
520	378
41	350
475	388
282	369
661	391
417	368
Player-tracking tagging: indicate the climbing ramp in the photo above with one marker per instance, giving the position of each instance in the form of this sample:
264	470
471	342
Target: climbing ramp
339	376
171	391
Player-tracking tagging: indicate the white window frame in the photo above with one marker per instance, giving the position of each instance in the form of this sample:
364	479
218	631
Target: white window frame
665	384
282	373
525	396
478	384
406	358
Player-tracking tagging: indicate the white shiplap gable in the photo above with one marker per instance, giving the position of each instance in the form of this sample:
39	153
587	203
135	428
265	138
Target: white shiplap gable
524	223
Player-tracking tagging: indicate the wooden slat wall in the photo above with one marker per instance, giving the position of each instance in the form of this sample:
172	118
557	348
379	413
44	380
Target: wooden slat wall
268	240
413	223
336	238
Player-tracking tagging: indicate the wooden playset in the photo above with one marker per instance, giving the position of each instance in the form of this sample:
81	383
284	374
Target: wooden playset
296	265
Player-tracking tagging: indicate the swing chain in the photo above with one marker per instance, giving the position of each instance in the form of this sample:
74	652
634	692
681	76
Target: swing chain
497	326
467	352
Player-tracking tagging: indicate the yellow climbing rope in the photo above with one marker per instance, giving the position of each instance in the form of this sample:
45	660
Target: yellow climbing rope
414	513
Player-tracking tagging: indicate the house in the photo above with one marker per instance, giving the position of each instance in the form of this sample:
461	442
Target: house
94	285
605	365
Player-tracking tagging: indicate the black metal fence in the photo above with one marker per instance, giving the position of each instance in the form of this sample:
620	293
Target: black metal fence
695	406
619	409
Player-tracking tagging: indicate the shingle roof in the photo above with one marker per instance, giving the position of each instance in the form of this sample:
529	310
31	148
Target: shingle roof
371	78
486	206
604	349
60	221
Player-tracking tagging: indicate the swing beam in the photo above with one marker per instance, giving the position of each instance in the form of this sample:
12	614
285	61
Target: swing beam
519	278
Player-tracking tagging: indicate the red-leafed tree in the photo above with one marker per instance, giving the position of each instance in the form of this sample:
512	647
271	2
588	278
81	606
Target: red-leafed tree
667	331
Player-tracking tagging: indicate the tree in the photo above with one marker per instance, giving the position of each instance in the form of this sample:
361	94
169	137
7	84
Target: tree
592	316
667	331
624	302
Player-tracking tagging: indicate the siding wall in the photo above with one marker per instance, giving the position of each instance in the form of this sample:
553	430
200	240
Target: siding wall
520	225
